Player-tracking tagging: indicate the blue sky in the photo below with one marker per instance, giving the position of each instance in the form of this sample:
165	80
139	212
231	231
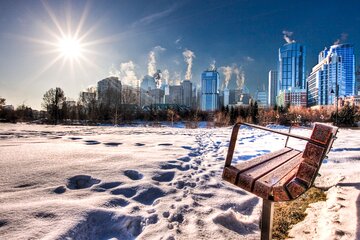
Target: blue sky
242	33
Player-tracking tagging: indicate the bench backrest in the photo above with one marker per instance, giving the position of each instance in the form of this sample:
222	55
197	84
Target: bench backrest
322	138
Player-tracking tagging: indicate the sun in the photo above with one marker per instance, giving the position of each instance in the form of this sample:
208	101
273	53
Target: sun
70	47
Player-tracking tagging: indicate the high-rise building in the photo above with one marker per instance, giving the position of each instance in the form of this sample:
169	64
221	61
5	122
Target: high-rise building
175	95
109	91
273	86
327	80
261	98
291	69
346	52
210	90
357	84
187	91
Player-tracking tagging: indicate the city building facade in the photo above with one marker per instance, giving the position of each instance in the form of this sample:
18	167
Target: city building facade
292	97
262	98
326	82
109	91
210	90
273	86
346	52
187	92
291	69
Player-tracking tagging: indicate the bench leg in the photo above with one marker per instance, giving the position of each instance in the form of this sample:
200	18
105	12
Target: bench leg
267	219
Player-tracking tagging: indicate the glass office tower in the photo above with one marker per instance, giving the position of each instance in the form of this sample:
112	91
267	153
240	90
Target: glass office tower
291	69
346	52
273	86
327	77
210	90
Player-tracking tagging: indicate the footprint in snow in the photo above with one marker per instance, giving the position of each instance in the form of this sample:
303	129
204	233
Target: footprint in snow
116	202
81	182
127	192
164	176
91	142
75	138
133	174
112	144
105	186
165	144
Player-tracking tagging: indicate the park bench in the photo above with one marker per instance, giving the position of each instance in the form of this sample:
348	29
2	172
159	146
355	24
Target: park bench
282	175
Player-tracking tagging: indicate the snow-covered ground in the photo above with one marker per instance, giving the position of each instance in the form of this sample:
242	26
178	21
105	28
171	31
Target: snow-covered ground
66	182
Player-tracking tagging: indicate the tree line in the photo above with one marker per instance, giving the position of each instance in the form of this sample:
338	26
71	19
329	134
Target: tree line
123	109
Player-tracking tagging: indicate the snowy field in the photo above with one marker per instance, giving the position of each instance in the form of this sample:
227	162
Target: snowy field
66	182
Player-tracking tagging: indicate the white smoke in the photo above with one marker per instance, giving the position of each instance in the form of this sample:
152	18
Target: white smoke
152	59
213	65
177	78
188	58
157	77
342	39
240	76
113	72
128	74
287	36
166	76
227	71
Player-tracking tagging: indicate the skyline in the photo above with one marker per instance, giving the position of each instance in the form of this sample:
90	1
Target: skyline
121	35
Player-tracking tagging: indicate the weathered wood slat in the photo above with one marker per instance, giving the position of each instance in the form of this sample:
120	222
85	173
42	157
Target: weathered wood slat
279	191
230	173
313	154
246	179
245	165
295	188
322	133
306	173
263	186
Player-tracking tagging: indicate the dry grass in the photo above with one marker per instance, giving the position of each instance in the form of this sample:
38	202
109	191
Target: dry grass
286	214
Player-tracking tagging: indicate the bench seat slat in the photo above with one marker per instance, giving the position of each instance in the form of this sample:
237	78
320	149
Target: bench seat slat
263	186
279	191
231	173
247	178
245	165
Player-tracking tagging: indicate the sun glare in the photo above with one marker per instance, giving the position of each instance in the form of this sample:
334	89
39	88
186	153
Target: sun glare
70	47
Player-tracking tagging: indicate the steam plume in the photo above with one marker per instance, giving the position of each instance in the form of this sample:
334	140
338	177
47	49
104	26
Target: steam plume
188	58
287	36
342	39
166	76
240	77
152	59
177	78
113	72
213	65
128	74
227	71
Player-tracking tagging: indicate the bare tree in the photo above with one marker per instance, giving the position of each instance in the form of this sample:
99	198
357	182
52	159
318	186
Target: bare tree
53	101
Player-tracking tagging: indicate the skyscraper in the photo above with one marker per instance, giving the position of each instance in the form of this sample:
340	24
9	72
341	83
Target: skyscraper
291	72
273	86
109	91
187	91
210	90
357	84
346	52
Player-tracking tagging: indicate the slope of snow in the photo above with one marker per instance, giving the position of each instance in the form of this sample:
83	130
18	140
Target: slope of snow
69	182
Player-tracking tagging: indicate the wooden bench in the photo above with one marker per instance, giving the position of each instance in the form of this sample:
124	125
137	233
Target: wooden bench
281	175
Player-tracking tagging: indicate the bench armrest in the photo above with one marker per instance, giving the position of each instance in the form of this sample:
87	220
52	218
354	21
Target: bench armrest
236	130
